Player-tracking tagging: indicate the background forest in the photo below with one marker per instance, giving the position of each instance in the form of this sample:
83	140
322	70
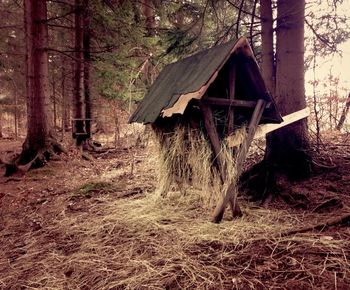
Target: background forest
82	202
127	43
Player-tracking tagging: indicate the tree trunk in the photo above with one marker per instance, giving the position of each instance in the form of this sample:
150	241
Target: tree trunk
344	114
54	104
37	85
314	96
330	101
64	99
99	114
38	145
16	116
1	135
267	51
287	147
63	110
79	75
87	69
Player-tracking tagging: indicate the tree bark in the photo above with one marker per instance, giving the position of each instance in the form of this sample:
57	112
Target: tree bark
64	102
314	96
267	51
1	135
287	147
87	69
16	115
39	145
64	98
344	114
54	104
37	84
79	74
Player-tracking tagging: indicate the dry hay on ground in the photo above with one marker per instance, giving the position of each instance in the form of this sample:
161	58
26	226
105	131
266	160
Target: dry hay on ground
186	163
107	241
167	243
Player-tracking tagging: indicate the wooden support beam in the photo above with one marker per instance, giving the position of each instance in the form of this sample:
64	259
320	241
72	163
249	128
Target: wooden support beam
228	103
230	195
232	89
210	126
262	130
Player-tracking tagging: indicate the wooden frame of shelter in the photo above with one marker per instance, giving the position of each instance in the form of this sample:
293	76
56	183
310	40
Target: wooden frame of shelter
224	78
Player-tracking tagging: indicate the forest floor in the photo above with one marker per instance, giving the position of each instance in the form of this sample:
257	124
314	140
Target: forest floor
77	224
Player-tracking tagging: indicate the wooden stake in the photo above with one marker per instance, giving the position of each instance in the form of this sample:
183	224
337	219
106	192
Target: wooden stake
228	103
242	154
213	137
232	88
215	142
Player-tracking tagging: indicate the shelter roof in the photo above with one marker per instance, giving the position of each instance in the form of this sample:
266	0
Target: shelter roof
189	78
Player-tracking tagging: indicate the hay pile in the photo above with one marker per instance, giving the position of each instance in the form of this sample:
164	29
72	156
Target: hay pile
146	241
154	243
186	163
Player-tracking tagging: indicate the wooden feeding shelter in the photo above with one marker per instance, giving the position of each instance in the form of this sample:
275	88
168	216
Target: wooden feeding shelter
218	90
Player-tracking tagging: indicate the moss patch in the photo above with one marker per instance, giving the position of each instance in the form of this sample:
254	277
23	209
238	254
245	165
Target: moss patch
96	188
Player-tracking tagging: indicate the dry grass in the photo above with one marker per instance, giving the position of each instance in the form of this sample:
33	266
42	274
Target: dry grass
186	163
167	243
153	242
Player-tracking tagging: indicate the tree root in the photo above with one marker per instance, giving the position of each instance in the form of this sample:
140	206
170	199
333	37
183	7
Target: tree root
345	218
92	146
29	159
259	182
264	181
87	156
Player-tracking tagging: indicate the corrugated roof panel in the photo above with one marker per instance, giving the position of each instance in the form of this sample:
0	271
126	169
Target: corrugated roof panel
182	77
190	74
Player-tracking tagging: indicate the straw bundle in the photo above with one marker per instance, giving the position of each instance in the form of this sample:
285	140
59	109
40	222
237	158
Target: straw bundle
187	164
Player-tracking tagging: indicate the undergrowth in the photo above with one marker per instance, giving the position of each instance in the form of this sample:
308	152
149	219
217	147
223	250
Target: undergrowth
95	188
167	243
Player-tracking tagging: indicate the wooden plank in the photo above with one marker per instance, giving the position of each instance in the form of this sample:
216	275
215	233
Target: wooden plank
215	141
242	153
232	89
227	102
213	137
262	130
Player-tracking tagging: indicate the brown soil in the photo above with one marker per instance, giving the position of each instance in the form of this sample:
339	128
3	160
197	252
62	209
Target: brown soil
77	224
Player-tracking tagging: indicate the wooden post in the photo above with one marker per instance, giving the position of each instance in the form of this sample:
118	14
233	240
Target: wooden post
232	88
228	103
229	196
215	142
213	137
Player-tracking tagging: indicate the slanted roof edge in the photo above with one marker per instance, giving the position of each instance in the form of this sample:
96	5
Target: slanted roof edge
180	105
